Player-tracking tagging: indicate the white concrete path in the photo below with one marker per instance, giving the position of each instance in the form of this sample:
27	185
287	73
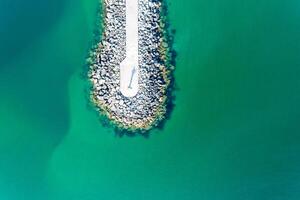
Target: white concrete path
129	68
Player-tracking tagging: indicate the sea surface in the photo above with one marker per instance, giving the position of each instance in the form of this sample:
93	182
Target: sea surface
234	133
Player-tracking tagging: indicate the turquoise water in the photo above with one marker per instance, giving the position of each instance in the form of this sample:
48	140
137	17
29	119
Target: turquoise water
234	133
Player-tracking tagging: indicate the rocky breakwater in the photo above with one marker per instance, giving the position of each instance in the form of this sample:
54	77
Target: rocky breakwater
147	108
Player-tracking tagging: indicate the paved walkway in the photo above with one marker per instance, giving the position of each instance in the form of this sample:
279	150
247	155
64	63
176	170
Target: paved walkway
129	69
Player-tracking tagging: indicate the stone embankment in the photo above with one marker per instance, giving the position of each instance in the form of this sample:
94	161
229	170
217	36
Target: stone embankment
148	106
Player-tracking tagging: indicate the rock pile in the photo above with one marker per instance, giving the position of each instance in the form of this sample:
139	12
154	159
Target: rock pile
148	107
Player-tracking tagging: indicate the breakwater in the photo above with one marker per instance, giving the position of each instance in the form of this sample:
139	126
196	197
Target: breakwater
145	109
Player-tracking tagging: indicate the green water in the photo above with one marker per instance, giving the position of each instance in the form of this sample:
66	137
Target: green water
234	133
